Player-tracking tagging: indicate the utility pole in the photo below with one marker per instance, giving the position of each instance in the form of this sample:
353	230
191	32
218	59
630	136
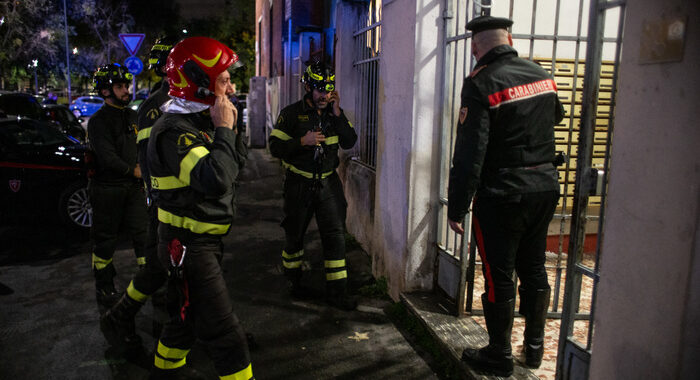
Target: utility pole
65	27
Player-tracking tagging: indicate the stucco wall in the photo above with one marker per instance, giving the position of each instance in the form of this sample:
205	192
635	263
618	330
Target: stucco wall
646	324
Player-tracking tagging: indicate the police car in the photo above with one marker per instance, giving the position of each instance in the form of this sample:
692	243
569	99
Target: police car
42	174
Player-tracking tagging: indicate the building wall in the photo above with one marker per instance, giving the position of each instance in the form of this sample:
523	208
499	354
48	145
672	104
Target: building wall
647	321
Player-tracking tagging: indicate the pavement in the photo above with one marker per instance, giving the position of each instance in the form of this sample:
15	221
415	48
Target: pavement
49	318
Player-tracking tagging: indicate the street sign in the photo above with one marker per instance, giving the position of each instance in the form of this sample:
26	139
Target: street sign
132	41
134	65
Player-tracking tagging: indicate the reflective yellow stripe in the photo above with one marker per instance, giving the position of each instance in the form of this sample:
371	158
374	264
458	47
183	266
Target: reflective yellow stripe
351	126
171	353
143	134
337	275
100	263
303	173
292	255
244	374
167	364
140	261
292	264
334	263
331	140
135	294
209	62
191	224
313	75
280	135
186	165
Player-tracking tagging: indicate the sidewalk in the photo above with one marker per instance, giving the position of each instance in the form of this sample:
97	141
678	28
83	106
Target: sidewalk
49	324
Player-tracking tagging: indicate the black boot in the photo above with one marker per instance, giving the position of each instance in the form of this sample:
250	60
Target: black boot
296	289
533	306
496	358
338	297
105	292
118	325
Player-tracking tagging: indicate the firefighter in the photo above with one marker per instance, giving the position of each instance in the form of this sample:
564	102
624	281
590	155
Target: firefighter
117	324
504	154
306	138
193	158
116	191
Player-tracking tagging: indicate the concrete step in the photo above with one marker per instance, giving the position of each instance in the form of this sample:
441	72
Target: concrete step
452	334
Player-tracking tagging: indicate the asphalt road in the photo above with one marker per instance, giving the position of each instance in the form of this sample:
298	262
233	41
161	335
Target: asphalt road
49	318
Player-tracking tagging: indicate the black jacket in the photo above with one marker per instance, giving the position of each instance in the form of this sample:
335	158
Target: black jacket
293	123
193	167
148	114
112	139
505	137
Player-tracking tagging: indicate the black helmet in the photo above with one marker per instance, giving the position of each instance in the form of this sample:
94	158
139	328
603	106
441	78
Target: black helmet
107	75
159	53
319	76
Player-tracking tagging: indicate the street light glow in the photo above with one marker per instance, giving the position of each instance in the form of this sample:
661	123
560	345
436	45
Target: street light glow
35	62
184	31
75	50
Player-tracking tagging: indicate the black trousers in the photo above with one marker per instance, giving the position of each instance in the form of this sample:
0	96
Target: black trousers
327	202
151	276
511	233
115	208
209	316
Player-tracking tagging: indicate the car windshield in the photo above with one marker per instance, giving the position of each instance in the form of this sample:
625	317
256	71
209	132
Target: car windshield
91	100
31	132
63	116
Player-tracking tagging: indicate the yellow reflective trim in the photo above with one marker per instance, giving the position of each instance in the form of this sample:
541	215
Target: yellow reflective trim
167	364
280	135
166	183
334	263
337	275
186	165
351	126
183	81
143	134
135	294
140	261
312	75
292	255
153	61
331	78
303	173
161	47
100	263
292	264
209	62
331	140
191	224
244	374
171	353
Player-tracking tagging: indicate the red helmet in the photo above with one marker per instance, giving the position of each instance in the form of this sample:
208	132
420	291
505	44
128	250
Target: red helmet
193	66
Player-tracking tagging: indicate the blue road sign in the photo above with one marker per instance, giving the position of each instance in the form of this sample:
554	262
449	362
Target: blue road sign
132	41
134	65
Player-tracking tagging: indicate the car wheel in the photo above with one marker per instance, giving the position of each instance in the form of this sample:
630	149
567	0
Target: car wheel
77	114
74	207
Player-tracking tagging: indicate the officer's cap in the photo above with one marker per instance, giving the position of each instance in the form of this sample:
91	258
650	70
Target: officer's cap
482	23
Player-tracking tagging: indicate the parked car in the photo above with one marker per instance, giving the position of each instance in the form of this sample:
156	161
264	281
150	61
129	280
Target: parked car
70	124
85	106
42	173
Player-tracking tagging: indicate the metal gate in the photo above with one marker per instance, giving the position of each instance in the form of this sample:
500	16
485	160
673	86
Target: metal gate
554	33
367	50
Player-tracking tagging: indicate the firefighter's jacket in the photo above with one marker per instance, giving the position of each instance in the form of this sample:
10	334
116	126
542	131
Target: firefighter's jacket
193	167
505	136
293	123
112	140
148	114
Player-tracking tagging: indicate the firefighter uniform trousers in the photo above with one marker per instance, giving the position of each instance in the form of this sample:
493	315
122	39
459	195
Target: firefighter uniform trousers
209	314
114	204
511	233
328	204
151	276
